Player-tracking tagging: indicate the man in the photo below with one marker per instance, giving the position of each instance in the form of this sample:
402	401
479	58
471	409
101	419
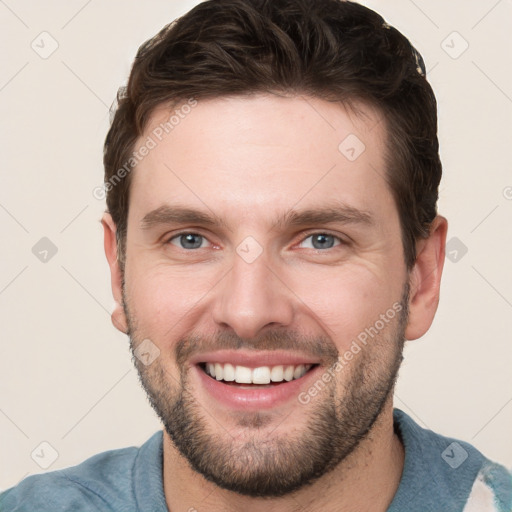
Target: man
271	174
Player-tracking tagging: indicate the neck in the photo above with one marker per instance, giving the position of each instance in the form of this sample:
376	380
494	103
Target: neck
366	480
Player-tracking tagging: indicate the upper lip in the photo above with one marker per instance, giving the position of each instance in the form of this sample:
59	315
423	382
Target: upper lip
253	359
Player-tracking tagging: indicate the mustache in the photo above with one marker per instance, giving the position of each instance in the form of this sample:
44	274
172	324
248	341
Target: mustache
320	347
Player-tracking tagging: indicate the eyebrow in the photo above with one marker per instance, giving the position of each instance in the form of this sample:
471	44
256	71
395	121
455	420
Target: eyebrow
338	213
166	214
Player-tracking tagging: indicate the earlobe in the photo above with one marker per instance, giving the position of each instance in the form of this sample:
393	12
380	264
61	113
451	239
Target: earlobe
116	277
425	280
119	318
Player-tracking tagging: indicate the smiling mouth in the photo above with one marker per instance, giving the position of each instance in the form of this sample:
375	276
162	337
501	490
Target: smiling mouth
262	376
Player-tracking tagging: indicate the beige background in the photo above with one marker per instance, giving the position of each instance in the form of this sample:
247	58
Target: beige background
65	374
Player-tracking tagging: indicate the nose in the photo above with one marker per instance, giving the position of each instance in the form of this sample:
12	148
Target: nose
252	297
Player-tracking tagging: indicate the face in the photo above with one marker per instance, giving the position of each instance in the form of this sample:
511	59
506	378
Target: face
265	284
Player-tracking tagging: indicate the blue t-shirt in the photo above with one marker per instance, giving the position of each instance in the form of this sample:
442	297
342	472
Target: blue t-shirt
439	475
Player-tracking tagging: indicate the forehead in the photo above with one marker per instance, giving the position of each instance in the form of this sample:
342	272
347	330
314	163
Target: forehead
253	155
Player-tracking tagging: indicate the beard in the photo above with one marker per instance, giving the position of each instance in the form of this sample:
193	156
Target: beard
260	464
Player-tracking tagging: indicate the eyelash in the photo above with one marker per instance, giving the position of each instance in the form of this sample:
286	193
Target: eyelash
310	234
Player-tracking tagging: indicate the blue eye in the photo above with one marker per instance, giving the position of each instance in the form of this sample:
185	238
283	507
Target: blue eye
318	241
322	241
188	240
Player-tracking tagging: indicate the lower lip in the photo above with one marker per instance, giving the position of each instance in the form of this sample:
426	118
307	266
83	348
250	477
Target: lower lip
256	398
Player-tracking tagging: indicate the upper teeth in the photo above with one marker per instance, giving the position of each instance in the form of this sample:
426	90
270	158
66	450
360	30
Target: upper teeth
260	375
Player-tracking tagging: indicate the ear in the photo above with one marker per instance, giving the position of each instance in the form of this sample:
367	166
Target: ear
110	243
425	280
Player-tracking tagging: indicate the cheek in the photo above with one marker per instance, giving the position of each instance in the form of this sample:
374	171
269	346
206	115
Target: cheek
162	298
345	302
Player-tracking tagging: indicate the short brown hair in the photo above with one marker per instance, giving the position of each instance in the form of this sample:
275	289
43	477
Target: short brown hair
331	49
